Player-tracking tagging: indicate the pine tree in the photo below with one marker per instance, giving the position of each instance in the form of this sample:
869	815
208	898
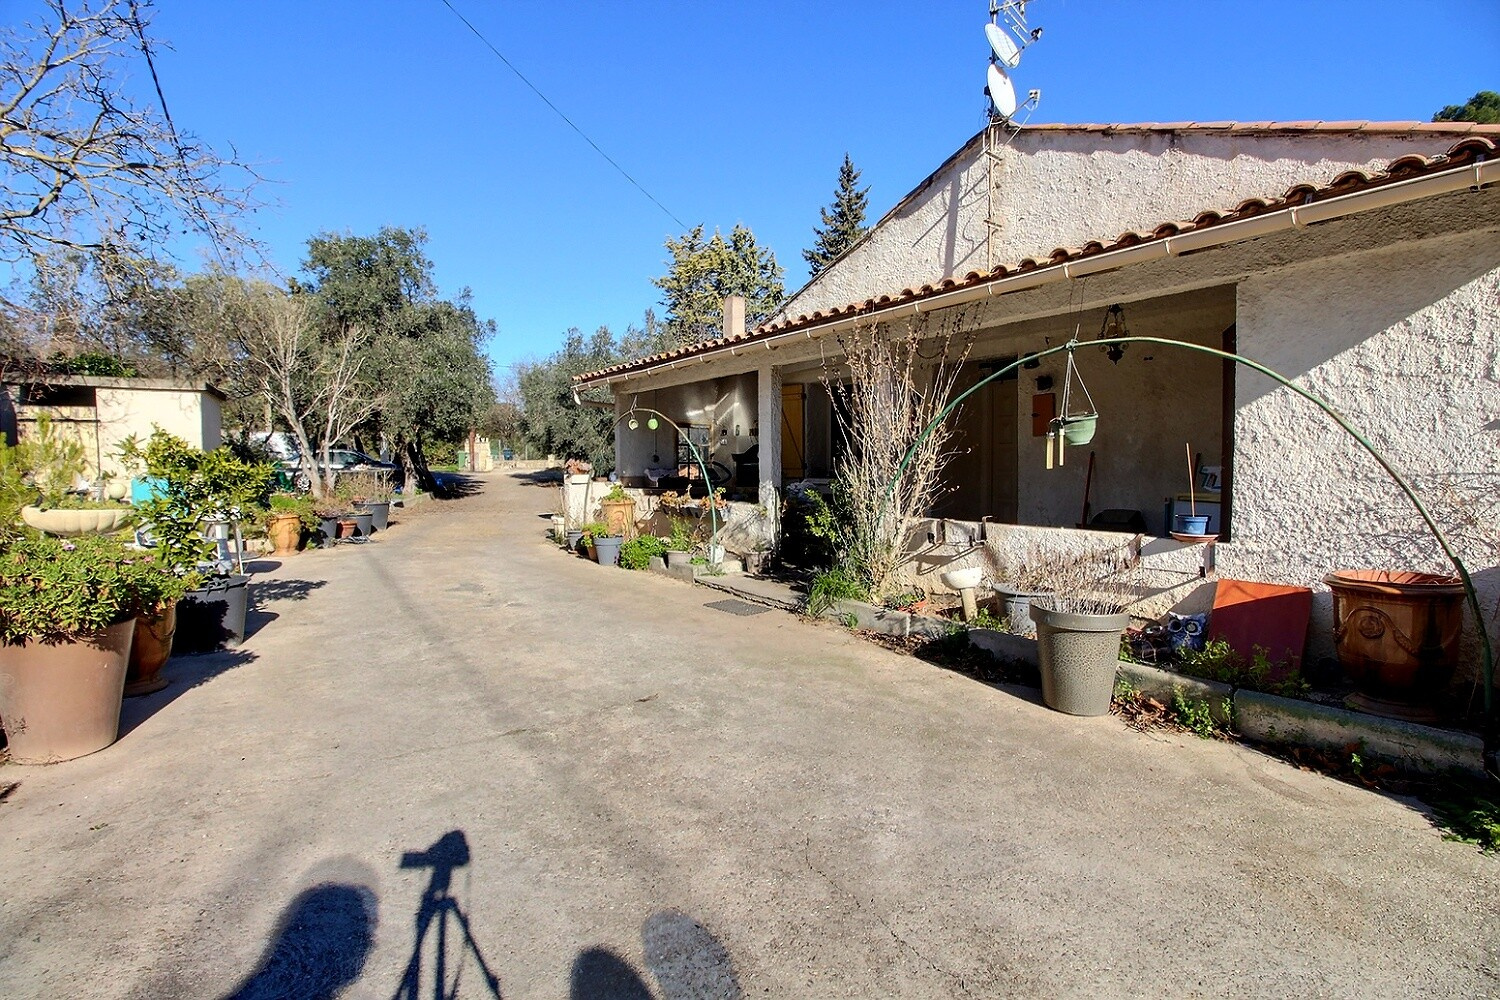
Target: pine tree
843	221
702	272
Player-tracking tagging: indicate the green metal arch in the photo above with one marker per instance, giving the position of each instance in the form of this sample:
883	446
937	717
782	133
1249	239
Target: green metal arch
713	507
1490	739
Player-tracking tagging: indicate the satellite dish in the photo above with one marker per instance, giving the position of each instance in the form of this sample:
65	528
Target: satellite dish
1004	47
1002	93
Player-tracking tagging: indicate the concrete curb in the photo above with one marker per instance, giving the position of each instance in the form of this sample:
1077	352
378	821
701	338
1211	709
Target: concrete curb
1259	718
1267	718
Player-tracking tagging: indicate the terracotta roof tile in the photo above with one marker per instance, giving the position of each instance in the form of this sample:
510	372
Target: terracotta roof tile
1482	141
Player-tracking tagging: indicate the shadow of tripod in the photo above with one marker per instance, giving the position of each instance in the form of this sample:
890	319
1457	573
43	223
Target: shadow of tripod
448	852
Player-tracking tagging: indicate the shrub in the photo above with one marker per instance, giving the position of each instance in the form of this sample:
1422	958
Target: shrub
638	552
681	538
830	587
54	589
596	529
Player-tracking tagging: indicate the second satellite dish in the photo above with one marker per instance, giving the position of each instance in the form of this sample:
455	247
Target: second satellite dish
1002	94
1004	47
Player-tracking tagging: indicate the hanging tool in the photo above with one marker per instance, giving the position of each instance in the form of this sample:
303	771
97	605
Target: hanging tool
1088	483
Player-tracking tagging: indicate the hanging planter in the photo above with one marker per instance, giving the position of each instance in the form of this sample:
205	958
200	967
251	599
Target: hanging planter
1071	427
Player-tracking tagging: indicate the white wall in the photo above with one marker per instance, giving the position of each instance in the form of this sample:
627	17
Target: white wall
1058	188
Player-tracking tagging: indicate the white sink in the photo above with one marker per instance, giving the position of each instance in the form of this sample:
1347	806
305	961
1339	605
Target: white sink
963	579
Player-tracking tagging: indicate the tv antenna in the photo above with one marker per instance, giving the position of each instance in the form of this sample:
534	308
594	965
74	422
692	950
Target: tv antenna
1008	35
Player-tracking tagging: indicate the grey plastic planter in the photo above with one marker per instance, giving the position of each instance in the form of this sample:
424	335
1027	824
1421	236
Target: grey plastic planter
608	549
379	510
1015	608
1079	655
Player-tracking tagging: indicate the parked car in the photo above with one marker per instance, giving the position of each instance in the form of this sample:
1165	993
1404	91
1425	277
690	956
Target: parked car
346	460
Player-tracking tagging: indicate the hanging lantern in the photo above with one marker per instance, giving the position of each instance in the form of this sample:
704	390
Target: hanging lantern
652	423
1112	327
634	424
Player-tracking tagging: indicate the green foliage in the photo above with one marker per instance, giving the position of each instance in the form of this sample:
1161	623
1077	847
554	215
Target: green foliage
1197	717
810	531
638	552
51	461
1217	662
843	221
196	486
596	529
552	422
701	273
986	620
617	493
681	537
1470	813
1483	107
832	586
54	589
294	503
91	363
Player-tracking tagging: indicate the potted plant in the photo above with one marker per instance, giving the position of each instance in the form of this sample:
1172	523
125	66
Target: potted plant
1079	625
589	534
328	511
196	488
369	494
679	543
51	467
618	511
67	617
155	627
289	515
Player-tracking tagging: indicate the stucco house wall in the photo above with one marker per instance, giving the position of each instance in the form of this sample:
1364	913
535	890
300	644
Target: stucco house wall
1065	185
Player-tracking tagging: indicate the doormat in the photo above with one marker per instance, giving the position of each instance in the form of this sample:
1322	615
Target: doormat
734	606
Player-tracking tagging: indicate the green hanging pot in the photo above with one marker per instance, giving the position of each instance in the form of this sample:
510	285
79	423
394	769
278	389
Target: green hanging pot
1080	430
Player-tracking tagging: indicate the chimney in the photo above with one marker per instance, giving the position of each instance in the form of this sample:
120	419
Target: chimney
734	316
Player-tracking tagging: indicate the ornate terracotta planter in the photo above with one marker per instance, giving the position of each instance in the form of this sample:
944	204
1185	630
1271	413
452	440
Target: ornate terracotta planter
285	533
150	650
620	516
62	700
1397	636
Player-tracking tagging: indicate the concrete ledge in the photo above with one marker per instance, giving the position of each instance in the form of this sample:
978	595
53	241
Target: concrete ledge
1162	684
870	618
1006	646
1267	718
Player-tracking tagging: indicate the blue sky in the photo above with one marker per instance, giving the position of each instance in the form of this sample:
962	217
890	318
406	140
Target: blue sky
363	114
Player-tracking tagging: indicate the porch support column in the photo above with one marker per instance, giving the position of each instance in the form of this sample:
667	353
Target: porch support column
768	417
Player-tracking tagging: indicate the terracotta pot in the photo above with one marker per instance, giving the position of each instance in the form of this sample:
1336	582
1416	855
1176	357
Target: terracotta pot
620	516
285	533
1397	637
62	700
348	527
150	650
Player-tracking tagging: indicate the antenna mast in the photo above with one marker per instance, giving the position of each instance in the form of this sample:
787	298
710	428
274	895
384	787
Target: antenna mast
1008	35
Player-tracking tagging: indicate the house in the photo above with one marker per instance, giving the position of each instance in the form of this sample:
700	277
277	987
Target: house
1359	259
102	412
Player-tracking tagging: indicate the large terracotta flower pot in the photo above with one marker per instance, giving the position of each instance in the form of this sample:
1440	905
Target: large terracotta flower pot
150	651
62	700
1397	638
620	516
285	533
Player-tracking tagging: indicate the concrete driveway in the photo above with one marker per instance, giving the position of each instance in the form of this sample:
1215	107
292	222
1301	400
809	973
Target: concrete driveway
454	753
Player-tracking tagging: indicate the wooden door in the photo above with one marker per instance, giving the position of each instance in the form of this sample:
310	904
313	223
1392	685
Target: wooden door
793	432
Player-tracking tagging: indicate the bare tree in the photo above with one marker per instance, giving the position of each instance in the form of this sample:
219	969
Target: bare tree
87	166
312	383
892	386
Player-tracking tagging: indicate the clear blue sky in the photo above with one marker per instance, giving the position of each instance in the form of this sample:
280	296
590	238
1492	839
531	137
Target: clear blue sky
381	112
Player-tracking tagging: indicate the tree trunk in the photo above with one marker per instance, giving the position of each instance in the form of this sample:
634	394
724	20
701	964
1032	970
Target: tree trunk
416	463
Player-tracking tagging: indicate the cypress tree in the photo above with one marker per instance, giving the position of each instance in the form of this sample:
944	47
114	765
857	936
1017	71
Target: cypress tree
843	221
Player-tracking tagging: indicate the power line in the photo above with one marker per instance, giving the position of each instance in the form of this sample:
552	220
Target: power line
558	111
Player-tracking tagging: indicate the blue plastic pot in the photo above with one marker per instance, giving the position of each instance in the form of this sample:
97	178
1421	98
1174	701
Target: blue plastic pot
1191	524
